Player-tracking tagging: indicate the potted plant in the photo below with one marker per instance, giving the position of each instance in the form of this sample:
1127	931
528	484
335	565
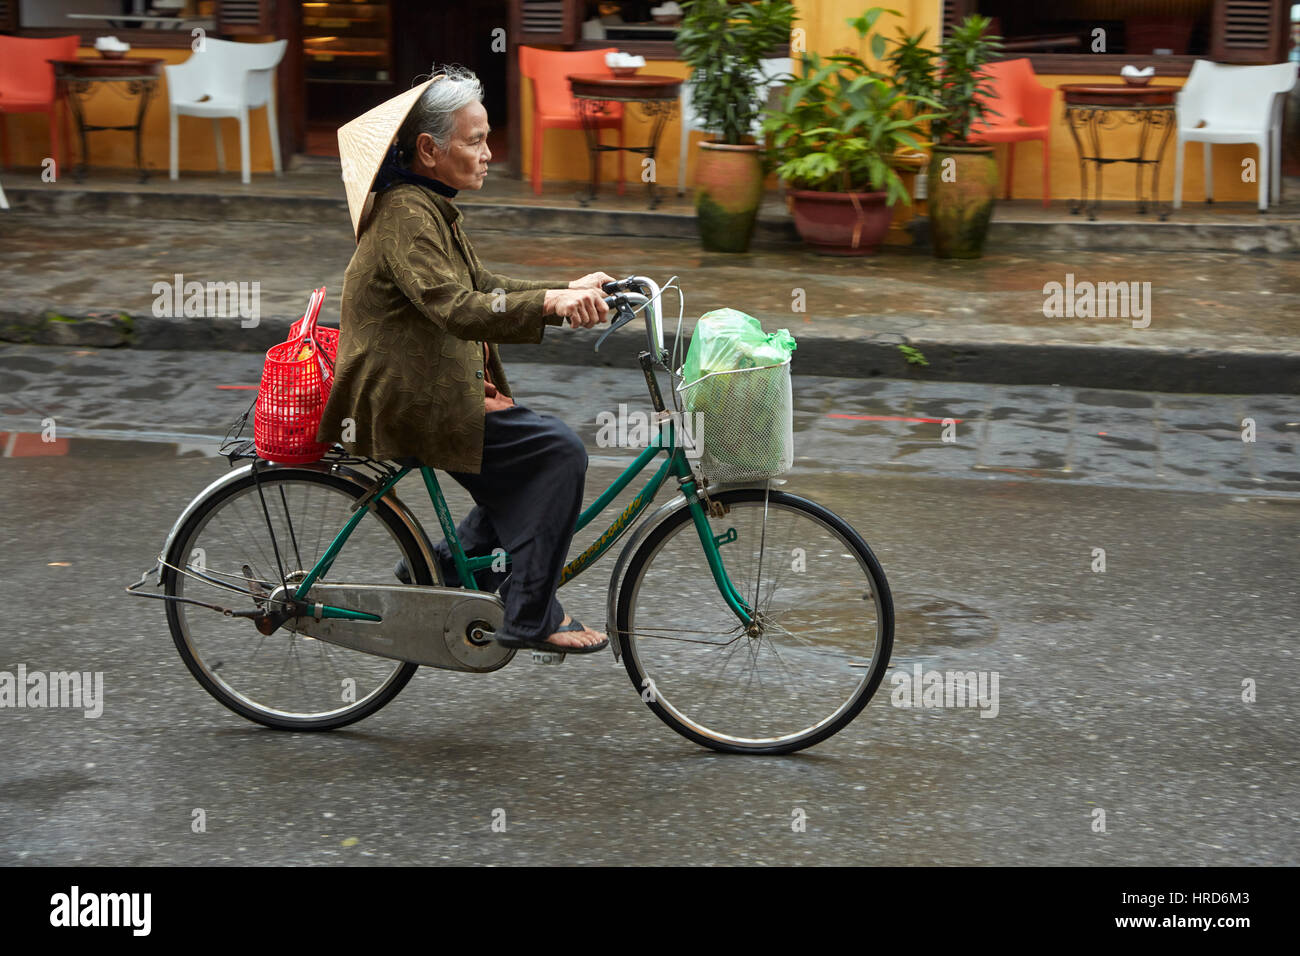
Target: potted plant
724	46
914	66
962	177
844	133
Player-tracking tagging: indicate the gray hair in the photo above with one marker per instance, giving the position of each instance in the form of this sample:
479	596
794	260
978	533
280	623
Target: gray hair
435	111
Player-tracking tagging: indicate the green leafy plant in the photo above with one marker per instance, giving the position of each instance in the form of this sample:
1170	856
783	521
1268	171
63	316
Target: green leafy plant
843	123
952	77
724	46
915	65
916	70
913	355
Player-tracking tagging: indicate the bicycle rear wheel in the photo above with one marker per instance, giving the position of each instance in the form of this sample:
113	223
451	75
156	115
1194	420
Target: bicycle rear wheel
249	533
826	625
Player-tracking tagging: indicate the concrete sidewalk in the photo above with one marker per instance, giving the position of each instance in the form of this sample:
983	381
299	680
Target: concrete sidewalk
1218	322
310	192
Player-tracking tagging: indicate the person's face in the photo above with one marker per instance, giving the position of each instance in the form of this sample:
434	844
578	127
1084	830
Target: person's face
464	163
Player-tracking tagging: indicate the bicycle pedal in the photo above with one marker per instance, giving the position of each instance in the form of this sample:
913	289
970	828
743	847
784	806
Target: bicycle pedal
548	657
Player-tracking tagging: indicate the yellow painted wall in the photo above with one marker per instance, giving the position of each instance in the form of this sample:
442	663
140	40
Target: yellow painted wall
29	140
825	30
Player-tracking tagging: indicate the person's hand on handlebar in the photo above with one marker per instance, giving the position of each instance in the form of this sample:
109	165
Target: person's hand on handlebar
593	281
582	307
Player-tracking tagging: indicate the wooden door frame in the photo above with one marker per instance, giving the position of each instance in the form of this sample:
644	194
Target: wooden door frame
514	123
291	84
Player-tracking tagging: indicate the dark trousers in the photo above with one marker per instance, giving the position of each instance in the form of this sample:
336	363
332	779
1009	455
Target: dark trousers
527	496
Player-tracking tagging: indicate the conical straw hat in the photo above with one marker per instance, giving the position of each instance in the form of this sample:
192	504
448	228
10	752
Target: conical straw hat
364	143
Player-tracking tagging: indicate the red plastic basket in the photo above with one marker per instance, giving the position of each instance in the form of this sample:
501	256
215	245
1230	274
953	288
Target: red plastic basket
296	382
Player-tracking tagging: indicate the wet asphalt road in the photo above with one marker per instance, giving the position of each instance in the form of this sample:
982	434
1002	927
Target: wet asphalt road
1120	691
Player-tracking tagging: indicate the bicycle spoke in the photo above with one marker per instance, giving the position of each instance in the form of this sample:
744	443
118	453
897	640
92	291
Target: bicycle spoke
281	675
787	679
288	520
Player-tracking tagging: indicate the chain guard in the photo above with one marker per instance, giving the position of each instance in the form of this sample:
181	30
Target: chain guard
435	626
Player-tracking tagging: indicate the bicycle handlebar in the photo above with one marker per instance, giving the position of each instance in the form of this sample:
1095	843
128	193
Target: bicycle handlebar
636	291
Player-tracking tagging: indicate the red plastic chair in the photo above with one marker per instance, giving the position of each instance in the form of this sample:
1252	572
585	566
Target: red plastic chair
553	106
27	81
1024	106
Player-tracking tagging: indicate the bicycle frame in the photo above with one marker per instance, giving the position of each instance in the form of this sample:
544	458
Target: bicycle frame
665	442
675	464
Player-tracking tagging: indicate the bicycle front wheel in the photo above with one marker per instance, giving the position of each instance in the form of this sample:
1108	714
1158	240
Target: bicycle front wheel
250	535
820	649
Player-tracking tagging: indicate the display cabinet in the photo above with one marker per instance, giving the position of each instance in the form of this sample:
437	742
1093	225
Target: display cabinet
347	42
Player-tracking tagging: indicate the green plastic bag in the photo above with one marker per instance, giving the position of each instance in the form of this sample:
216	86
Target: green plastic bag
726	339
745	417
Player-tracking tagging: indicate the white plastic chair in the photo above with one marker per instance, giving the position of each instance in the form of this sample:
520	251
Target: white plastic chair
226	80
1234	104
772	69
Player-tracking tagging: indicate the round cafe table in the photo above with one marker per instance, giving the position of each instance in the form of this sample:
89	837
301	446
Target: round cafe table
657	98
76	79
1092	108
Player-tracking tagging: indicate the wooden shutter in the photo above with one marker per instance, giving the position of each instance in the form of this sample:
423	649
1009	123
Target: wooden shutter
954	12
1249	31
8	14
546	21
245	16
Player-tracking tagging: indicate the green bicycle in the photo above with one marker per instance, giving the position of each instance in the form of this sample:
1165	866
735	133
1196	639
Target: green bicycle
749	619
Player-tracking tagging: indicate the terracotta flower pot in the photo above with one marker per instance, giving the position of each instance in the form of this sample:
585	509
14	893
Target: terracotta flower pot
962	185
729	190
841	224
908	167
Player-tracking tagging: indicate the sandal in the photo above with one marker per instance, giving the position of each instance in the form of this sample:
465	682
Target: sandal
505	640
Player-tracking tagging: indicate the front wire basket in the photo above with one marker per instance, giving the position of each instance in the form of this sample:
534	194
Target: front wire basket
744	421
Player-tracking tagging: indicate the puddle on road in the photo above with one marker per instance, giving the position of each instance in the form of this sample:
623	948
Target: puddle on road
1128	444
926	621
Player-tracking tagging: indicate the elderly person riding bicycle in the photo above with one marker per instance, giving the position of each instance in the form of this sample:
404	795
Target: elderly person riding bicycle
418	375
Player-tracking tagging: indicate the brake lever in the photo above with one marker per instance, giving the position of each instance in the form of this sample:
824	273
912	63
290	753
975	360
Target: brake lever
625	315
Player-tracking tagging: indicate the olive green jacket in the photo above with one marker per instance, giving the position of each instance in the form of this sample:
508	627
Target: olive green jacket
417	307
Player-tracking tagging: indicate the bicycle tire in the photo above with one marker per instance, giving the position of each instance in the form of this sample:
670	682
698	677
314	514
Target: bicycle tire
625	632
177	622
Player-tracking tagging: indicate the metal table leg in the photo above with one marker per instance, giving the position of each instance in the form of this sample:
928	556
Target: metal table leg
656	110
145	90
1168	118
590	112
1072	117
75	91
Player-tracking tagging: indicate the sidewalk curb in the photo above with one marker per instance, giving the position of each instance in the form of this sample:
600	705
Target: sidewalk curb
1009	363
1118	229
1006	363
333	213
